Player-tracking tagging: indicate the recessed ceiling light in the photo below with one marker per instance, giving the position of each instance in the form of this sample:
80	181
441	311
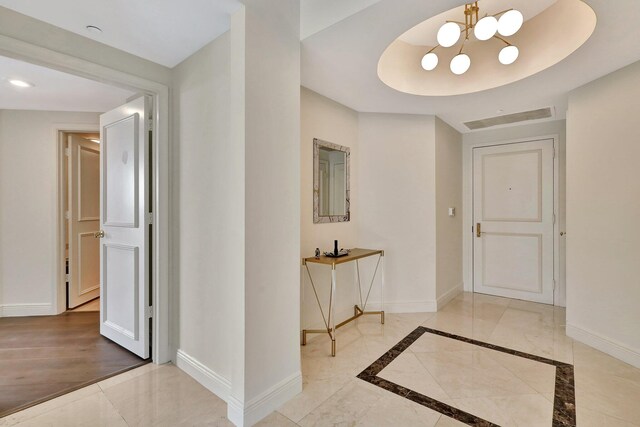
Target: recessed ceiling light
93	29
20	83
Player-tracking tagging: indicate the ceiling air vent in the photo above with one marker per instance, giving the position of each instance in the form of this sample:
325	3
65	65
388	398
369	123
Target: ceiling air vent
542	113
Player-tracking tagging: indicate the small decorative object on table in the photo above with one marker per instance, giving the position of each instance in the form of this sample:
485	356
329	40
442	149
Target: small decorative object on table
317	252
337	253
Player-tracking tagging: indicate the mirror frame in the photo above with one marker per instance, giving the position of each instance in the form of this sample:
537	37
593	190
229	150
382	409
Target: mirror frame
317	219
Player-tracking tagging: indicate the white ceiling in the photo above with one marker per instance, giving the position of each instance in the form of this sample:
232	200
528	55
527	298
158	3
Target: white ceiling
342	43
341	62
316	15
162	31
54	90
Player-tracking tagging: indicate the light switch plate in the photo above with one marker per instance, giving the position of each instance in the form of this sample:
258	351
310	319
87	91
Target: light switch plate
452	211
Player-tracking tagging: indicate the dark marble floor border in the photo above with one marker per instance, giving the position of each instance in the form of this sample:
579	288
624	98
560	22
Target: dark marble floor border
564	408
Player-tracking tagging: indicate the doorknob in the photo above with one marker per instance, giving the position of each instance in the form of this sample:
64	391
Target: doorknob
98	234
478	230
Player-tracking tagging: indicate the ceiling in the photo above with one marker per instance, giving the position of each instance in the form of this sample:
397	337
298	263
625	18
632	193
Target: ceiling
162	31
342	42
54	90
341	63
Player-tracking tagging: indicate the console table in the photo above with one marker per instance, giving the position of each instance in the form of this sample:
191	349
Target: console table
358	310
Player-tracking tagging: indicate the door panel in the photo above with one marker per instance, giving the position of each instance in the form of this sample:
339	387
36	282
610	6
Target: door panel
121	310
521	252
84	210
89	184
513	204
520	199
120	206
89	263
124	194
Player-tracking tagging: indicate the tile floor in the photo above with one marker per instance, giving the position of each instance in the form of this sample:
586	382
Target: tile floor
498	387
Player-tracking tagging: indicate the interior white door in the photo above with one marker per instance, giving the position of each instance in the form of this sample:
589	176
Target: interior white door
124	222
513	210
84	219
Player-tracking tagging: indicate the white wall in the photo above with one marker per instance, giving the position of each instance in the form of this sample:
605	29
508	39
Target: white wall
265	105
507	134
603	208
448	164
397	197
205	207
272	206
325	119
236	171
28	197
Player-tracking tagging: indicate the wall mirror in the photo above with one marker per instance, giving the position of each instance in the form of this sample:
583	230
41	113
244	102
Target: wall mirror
330	182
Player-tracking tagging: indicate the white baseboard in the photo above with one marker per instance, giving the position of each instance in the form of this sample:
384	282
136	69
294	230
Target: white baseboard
264	404
605	345
212	381
21	310
427	306
445	298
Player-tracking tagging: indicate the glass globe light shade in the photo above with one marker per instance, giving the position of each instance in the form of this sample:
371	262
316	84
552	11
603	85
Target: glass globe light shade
460	64
430	61
510	23
486	28
448	34
508	55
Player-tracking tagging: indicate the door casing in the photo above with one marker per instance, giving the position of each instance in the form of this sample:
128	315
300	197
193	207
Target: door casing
468	235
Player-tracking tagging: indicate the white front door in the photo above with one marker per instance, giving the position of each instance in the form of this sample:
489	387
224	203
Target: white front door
513	211
84	219
124	221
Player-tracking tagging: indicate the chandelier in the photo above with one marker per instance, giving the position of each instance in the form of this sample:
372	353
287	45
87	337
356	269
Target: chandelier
505	23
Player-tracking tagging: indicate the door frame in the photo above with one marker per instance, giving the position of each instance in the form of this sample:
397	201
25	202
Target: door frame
38	55
468	224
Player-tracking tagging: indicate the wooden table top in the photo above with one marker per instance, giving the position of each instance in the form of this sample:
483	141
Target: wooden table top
356	253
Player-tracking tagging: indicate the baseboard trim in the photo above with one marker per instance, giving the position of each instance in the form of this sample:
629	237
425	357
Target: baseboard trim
262	405
21	310
215	383
597	341
445	298
428	306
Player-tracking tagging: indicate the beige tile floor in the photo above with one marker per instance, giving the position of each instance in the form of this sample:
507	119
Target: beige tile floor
505	389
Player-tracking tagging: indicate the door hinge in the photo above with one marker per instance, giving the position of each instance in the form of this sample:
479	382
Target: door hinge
150	124
67	215
554	218
149	311
150	218
67	277
67	152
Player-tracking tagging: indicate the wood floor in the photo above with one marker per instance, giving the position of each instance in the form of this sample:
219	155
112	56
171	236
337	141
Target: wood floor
46	356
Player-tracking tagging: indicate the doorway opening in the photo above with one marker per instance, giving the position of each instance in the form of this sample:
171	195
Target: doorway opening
98	306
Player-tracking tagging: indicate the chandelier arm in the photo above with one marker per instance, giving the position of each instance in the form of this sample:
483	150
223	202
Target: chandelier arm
501	13
500	38
432	49
462	46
